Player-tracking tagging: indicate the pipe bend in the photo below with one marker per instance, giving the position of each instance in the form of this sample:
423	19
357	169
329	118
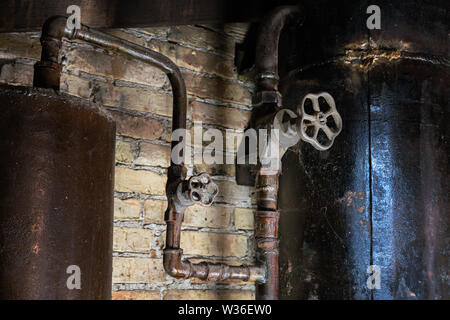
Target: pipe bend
47	75
173	261
56	27
174	265
48	70
266	59
268	100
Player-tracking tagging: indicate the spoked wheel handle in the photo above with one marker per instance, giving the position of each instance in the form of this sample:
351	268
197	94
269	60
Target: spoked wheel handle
323	126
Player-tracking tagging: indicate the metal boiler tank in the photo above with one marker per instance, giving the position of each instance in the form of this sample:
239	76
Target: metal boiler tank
57	176
380	196
56	196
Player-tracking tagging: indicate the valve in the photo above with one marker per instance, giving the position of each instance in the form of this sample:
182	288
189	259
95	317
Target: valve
322	124
199	189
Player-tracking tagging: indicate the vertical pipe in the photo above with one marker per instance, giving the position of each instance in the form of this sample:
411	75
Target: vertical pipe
266	233
268	100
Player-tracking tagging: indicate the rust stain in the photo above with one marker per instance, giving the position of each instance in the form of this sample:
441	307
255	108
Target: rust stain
35	249
350	196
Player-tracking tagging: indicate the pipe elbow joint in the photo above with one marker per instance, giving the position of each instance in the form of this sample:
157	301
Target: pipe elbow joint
48	71
56	27
174	266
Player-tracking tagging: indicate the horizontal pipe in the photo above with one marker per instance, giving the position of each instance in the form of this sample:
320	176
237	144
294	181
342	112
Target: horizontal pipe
177	267
207	271
47	74
48	70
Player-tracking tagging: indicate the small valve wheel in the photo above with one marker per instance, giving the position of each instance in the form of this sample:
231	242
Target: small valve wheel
321	124
202	189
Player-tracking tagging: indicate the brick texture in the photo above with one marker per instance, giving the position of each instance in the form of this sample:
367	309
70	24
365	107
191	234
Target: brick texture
137	270
201	38
140	181
153	155
214	244
132	239
124	153
154	211
16	72
217	88
111	65
14	45
137	127
222	116
136	295
126	209
243	218
208	295
139	98
195	60
212	217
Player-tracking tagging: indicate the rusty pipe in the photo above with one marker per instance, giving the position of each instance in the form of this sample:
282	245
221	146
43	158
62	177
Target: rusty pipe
267	101
179	198
177	267
47	74
267	45
266	233
48	70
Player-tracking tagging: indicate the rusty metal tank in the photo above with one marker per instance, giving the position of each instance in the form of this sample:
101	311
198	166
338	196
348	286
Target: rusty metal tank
56	196
380	196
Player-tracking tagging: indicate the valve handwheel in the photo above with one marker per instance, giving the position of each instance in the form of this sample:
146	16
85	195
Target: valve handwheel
322	126
202	189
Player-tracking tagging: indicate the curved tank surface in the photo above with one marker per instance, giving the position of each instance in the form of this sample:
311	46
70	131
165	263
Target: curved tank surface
380	196
56	196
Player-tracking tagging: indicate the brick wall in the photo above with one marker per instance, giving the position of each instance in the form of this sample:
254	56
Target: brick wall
139	98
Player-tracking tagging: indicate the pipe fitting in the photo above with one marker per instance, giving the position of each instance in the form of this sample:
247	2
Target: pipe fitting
174	265
48	70
267	97
56	28
267	45
199	189
269	101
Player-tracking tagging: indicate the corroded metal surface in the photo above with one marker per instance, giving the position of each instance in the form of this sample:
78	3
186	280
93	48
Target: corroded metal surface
185	194
56	195
266	234
381	195
324	197
410	152
48	70
267	102
266	60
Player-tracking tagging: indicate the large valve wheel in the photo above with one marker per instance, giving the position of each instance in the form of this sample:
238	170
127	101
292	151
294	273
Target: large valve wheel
320	121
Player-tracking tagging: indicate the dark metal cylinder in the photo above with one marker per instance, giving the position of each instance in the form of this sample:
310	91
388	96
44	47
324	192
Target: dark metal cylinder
380	196
56	196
